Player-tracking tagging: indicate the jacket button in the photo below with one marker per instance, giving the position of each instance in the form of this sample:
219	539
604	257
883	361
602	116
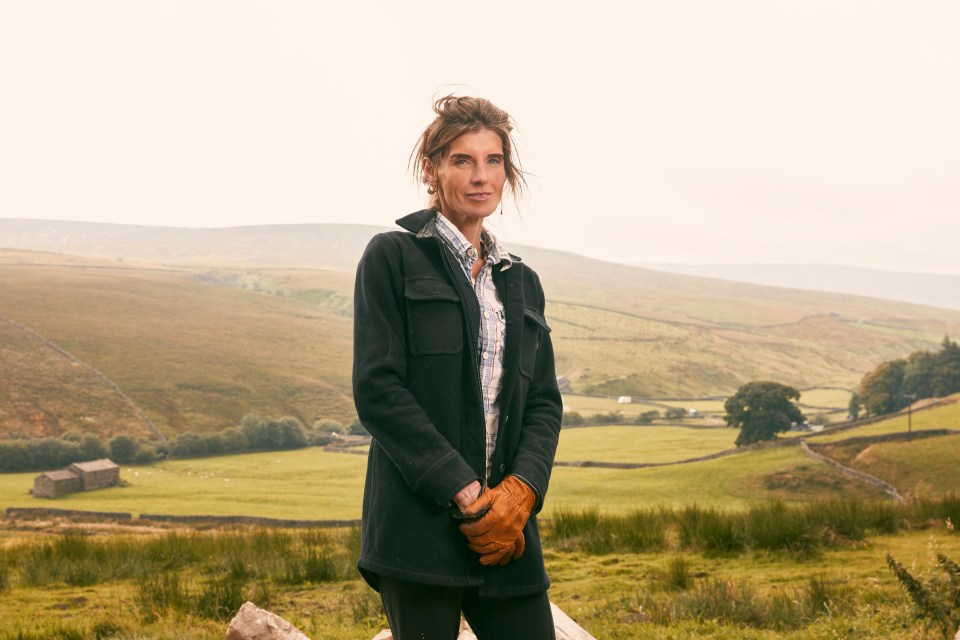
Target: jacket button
503	468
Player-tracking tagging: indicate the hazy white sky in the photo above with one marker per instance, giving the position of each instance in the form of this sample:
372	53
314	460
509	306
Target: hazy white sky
657	131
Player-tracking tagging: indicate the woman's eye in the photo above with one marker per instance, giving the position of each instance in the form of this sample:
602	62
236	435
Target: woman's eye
460	162
495	160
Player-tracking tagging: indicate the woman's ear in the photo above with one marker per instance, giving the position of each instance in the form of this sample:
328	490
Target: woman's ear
430	176
429	173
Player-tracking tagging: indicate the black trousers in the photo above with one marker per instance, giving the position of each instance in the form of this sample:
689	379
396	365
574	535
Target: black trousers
426	612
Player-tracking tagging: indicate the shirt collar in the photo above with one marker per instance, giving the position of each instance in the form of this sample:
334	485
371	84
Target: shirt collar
463	248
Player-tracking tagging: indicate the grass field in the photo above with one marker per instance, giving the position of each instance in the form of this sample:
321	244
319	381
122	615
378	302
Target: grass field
588	406
733	482
306	484
943	417
197	580
924	468
311	484
643	443
845	591
829	398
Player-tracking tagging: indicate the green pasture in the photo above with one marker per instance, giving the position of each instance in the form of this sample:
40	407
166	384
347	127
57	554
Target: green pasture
643	443
306	484
924	468
312	484
701	406
945	416
732	482
829	398
588	406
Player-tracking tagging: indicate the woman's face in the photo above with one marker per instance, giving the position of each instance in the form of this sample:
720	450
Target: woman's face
470	177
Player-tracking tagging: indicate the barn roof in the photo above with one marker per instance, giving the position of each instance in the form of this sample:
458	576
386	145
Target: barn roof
61	474
96	465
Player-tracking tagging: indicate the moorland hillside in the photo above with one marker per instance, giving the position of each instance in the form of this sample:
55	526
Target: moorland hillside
199	327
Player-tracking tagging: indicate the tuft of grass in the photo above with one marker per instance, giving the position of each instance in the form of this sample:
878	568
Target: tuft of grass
803	531
711	531
587	530
678	577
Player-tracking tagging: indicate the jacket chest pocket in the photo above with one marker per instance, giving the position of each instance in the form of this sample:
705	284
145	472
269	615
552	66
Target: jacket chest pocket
534	326
434	318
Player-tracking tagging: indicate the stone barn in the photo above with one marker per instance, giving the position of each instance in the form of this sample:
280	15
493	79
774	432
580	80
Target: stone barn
96	474
54	484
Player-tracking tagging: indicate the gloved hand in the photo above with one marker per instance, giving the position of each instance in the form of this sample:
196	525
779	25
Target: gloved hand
498	535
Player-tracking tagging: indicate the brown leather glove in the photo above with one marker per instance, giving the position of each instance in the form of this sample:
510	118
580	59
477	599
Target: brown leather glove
498	535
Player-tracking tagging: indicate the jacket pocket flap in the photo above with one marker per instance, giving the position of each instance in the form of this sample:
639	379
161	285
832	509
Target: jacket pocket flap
533	314
420	288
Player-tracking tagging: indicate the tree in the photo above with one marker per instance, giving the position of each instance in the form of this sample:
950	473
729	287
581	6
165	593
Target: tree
233	440
647	417
291	434
762	410
571	419
356	428
881	390
947	379
853	409
327	425
123	448
188	445
91	447
675	413
919	374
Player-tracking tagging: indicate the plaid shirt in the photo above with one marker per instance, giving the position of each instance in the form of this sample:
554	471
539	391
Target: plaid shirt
493	325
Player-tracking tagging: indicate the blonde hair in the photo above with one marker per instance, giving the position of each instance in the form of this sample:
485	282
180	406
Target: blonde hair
455	117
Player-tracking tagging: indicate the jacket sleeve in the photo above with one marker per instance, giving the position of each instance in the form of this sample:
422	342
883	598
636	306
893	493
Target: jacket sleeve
428	463
540	429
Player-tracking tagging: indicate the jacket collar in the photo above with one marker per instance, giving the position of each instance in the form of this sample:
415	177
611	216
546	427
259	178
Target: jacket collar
416	221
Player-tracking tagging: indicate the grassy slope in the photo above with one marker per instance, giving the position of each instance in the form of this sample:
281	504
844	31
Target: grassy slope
922	468
257	320
193	355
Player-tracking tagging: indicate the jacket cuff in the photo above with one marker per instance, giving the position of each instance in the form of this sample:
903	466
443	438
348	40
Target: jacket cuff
538	503
445	478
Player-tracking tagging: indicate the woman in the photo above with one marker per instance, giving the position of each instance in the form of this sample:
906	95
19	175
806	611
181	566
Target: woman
453	375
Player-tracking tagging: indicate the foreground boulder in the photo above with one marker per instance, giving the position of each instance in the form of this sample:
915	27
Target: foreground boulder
253	623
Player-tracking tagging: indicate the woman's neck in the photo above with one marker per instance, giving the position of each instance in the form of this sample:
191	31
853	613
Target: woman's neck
471	228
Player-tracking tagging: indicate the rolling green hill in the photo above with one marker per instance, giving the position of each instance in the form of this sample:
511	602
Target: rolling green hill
201	326
192	354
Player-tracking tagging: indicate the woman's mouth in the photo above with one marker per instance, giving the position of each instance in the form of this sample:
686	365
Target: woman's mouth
479	196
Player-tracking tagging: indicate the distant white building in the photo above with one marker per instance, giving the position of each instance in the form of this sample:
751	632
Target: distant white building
624	399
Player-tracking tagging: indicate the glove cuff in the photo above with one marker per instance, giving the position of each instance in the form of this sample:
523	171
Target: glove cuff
523	494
